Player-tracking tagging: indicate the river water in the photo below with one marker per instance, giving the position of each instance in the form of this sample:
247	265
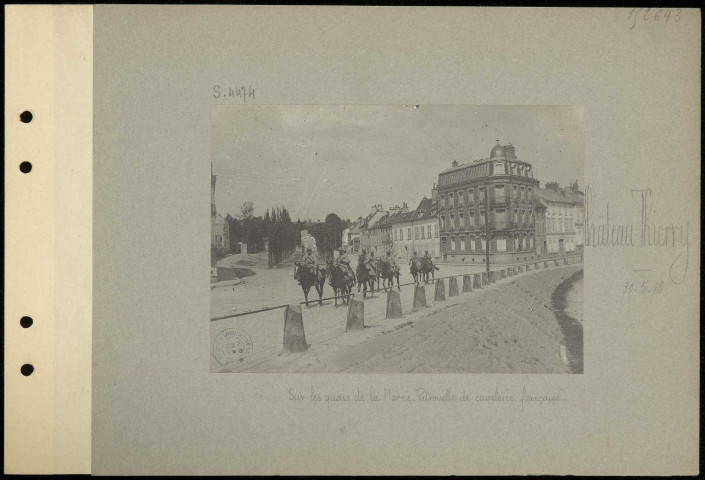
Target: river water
567	302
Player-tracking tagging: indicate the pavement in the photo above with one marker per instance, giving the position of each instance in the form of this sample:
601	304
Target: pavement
495	329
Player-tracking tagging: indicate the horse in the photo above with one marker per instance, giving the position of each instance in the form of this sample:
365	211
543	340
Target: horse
421	268
342	284
427	267
365	279
308	280
387	273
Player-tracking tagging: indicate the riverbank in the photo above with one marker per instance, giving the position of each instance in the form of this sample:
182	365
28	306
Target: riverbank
567	306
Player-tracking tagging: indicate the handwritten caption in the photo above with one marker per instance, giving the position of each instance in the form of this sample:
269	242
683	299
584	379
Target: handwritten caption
656	229
653	15
519	397
227	92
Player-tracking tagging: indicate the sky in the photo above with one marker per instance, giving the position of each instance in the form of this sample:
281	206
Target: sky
318	159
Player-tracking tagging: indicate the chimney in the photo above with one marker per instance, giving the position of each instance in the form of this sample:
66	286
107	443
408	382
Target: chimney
552	186
574	187
509	152
434	194
455	163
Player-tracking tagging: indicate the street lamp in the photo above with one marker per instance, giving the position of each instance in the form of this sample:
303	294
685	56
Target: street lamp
487	228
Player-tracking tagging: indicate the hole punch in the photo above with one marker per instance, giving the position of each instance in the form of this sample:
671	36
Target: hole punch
26	116
25	167
27	369
26	322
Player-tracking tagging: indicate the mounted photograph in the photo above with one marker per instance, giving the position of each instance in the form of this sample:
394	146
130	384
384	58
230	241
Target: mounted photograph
397	239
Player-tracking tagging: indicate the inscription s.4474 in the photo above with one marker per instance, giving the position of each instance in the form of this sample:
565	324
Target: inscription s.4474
663	15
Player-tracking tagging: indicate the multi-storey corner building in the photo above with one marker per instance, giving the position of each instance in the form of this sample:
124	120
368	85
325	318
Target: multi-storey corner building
492	196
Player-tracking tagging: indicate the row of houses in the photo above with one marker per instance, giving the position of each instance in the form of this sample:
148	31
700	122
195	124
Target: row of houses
496	198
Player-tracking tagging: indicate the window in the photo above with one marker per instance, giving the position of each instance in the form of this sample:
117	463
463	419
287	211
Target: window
416	233
482	219
461	199
531	242
408	233
452	221
482	244
528	192
501	244
428	231
443	200
451	200
470	196
435	230
461	224
462	244
522	193
444	244
401	234
452	244
471	220
423	233
523	217
500	217
472	244
395	234
516	191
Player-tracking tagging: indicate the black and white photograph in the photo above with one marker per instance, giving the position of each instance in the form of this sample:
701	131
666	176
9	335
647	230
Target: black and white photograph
397	239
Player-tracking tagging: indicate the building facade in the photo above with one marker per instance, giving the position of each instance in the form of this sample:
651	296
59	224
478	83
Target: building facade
541	244
560	219
492	196
351	239
366	224
578	199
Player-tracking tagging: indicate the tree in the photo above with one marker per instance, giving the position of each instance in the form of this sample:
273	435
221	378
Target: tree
247	211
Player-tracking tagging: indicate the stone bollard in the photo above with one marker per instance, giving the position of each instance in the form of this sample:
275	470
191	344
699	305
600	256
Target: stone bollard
356	315
419	296
440	293
467	283
477	280
393	304
453	287
294	336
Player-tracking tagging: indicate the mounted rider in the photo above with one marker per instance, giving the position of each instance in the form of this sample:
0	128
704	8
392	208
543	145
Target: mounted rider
310	261
429	260
343	262
391	261
370	263
415	260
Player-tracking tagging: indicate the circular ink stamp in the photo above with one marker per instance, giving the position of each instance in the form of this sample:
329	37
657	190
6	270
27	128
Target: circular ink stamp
231	346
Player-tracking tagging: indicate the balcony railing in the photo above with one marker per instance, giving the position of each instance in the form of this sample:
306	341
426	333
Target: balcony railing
501	224
500	200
